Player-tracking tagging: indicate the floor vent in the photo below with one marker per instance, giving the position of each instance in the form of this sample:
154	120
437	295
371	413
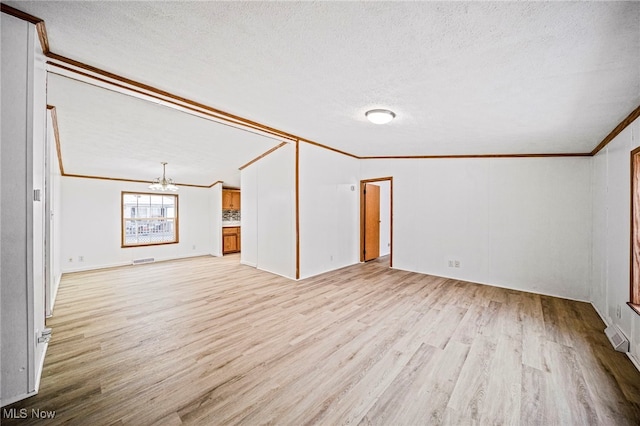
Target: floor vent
146	260
617	339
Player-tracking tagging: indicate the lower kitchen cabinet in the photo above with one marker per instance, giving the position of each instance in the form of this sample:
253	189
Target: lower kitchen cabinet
231	240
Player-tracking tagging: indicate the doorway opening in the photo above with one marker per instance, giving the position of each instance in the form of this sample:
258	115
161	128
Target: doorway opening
376	219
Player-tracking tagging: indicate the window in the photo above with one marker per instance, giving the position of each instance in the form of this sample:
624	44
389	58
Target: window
635	230
149	219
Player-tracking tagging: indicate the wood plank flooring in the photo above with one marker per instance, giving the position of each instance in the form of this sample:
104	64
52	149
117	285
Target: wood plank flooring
207	341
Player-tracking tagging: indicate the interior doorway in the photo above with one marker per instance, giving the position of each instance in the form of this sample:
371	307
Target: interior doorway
376	219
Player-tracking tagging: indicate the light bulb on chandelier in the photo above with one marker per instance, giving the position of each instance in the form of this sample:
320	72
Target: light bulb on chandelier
163	184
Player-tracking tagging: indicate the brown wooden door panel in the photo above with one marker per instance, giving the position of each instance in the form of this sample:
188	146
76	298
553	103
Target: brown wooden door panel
230	240
227	200
371	221
235	200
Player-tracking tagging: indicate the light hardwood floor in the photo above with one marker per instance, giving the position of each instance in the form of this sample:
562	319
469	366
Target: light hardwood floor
208	341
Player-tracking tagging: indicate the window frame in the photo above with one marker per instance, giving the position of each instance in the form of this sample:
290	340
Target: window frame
634	240
123	225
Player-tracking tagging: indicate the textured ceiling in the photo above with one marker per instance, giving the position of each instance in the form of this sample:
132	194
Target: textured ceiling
105	133
463	78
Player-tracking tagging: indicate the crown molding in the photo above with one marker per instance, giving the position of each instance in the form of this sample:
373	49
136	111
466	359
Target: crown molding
56	136
262	155
423	157
39	23
72	175
106	77
617	130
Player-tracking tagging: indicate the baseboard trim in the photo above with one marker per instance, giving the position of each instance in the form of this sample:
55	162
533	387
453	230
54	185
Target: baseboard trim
634	360
304	277
41	368
253	265
55	293
277	273
128	263
495	285
607	323
96	267
5	402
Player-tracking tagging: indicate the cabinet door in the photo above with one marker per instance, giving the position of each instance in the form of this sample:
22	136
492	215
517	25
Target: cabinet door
230	243
227	200
235	200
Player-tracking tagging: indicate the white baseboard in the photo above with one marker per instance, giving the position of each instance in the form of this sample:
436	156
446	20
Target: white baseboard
634	360
8	401
128	263
532	291
253	265
95	267
607	322
55	292
41	367
304	277
277	273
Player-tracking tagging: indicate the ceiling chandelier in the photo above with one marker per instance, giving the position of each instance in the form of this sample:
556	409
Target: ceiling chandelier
163	184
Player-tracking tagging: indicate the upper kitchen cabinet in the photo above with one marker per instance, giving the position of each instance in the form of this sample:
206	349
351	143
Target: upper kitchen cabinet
230	199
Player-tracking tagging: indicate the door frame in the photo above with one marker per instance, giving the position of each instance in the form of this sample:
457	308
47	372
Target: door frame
362	185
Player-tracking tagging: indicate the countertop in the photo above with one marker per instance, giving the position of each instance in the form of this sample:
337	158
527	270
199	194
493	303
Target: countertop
230	223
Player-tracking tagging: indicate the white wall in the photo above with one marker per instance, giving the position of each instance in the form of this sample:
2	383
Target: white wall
21	226
611	233
268	213
215	200
517	223
38	88
91	225
55	207
329	210
249	217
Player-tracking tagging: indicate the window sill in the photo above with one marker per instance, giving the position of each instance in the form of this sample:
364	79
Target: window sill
635	308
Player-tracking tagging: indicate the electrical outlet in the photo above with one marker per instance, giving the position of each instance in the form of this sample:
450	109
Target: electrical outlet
451	264
70	259
618	312
331	258
194	247
456	263
80	258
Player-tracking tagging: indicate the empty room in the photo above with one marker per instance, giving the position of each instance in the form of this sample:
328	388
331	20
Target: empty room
385	213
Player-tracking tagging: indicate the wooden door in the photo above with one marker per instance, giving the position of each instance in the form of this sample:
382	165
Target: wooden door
371	221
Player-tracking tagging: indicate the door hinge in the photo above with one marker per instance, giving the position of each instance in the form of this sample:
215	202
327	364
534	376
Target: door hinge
36	195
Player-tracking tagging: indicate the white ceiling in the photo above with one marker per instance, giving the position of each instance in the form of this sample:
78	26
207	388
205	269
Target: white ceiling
109	134
463	78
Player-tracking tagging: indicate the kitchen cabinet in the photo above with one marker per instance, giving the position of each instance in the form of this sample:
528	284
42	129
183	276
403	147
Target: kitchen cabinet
230	199
230	239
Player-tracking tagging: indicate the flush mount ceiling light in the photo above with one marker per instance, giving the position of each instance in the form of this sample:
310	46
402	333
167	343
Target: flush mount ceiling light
380	116
163	184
